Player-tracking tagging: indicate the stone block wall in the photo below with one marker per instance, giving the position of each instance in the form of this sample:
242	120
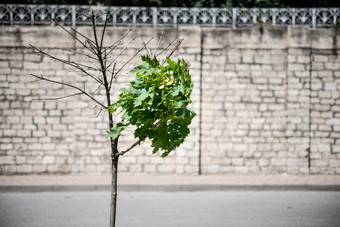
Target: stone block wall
267	101
66	135
325	113
243	111
270	100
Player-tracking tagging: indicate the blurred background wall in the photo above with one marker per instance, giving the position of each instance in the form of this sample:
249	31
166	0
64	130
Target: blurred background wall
267	99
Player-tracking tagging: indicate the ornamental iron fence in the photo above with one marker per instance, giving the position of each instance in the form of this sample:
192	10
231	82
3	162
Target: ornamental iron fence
72	15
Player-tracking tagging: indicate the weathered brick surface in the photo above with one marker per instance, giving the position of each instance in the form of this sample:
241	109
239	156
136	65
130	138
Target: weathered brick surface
267	101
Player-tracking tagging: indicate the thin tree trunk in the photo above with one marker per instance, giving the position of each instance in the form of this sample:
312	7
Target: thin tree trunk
102	57
113	203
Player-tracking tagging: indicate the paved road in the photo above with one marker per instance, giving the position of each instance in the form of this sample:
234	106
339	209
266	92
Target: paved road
173	209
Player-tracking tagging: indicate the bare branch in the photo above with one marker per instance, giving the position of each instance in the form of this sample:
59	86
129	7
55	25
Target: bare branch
99	55
146	47
118	42
67	62
86	66
133	38
70	85
75	37
76	52
176	47
112	76
102	39
100	110
170	43
131	147
79	33
92	47
94	65
159	41
52	99
111	48
187	68
102	64
96	89
132	57
94	27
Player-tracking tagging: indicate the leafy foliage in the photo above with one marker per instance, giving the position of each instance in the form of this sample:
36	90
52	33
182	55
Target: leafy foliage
156	103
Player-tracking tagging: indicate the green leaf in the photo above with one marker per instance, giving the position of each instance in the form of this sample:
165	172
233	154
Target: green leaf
141	97
180	127
156	104
116	130
140	68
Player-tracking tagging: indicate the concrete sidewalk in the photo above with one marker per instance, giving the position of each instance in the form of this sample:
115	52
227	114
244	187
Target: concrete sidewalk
169	182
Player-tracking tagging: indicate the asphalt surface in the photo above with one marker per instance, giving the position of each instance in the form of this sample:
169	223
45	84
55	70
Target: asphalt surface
172	209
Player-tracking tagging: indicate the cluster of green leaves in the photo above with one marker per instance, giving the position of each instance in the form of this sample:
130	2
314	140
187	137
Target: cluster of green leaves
156	103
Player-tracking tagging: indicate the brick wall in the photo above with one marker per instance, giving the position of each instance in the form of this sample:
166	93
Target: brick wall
267	101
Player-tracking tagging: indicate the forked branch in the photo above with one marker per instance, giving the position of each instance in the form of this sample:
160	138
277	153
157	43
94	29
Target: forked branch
72	86
70	63
74	36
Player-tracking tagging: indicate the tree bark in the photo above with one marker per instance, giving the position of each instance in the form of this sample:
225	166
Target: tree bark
113	202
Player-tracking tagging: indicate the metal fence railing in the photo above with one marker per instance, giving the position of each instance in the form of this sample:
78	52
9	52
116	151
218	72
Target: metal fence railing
73	15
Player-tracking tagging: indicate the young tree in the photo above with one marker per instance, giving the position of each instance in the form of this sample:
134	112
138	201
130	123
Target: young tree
155	102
